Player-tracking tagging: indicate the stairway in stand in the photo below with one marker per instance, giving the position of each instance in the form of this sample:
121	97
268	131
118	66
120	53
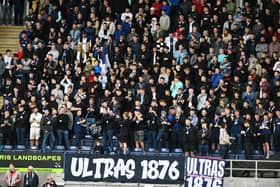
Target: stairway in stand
9	37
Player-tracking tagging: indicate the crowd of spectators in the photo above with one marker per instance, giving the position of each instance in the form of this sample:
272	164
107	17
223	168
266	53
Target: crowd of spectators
201	75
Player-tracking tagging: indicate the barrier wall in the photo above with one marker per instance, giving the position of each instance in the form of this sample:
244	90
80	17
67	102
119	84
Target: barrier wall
147	171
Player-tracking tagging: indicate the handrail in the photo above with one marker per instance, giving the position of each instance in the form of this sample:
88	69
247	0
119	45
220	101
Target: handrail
256	168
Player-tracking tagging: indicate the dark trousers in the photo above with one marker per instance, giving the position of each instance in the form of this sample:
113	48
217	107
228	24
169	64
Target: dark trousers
20	136
224	150
162	139
107	140
152	136
177	140
248	147
277	142
7	137
48	136
7	14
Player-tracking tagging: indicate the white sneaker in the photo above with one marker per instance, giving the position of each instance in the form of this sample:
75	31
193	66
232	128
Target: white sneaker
267	156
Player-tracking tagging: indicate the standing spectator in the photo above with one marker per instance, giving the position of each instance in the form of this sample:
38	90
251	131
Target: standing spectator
31	178
139	129
224	140
18	11
47	124
190	136
125	126
177	128
164	21
152	125
62	127
79	128
7	11
204	135
7	128
276	131
180	54
265	129
12	178
21	124
35	119
163	125
236	128
247	134
249	96
2	71
107	121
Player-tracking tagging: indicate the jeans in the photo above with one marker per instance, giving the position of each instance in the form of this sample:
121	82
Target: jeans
236	146
63	134
7	14
223	150
177	140
79	136
277	142
162	139
20	136
107	140
203	149
47	136
152	137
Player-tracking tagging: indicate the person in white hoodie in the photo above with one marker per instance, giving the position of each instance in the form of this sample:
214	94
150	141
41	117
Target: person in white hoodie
35	119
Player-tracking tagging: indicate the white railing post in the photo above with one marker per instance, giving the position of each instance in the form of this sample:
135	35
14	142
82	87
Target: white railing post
256	170
230	171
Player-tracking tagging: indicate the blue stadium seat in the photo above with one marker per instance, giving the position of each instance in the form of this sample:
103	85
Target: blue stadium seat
34	149
59	149
151	152
164	152
217	155
137	152
231	156
177	152
20	148
7	147
257	155
73	149
241	156
85	149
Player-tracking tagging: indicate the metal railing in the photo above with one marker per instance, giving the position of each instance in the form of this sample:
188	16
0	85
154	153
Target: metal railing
257	166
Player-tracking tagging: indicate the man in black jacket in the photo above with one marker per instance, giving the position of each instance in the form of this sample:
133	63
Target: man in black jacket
62	127
189	138
21	124
30	179
247	134
204	135
47	123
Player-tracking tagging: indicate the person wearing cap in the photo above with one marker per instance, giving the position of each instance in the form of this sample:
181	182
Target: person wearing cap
30	179
35	119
